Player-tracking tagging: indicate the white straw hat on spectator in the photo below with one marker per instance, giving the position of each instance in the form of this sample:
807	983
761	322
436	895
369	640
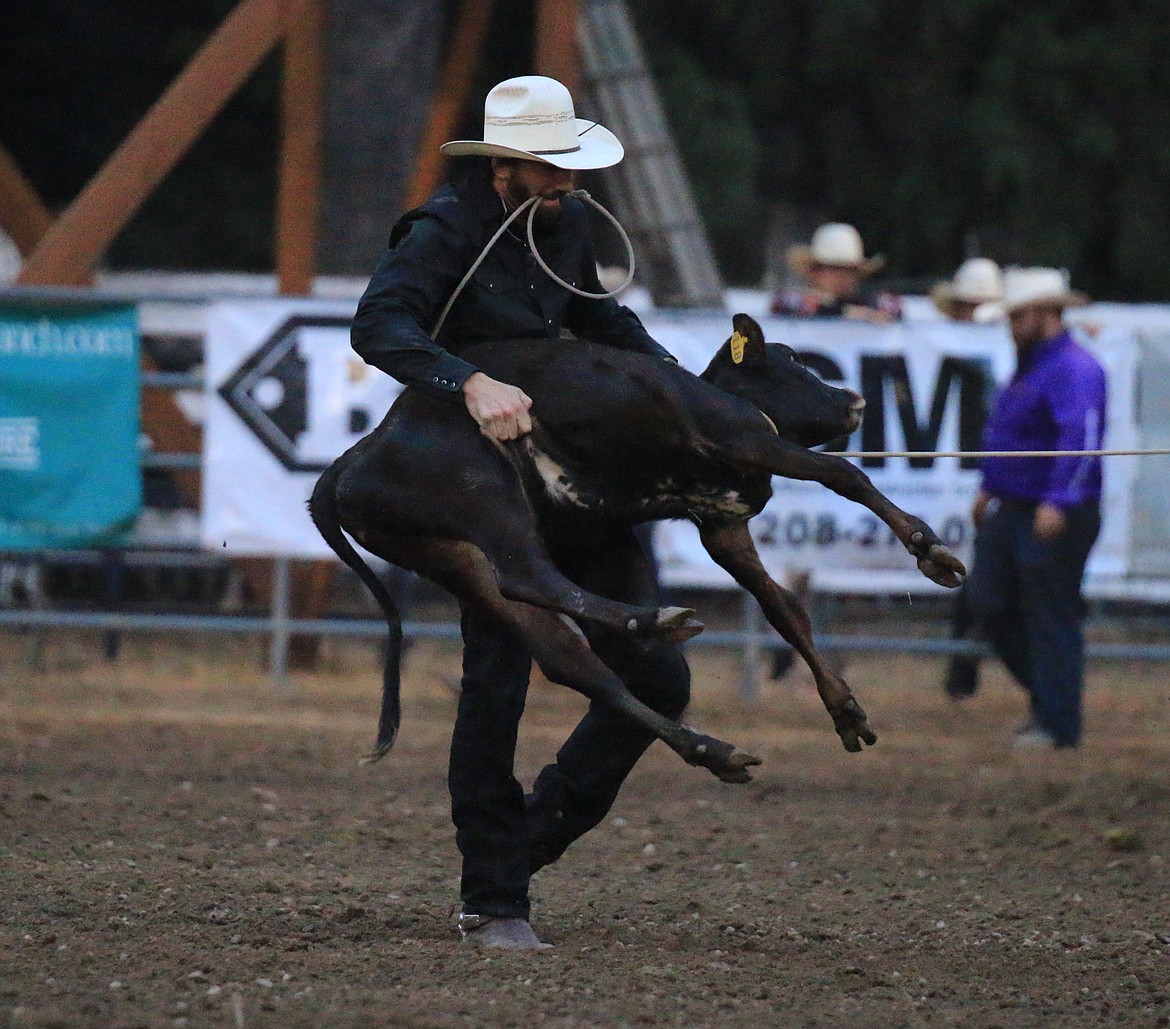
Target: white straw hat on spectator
1039	287
978	280
834	244
531	118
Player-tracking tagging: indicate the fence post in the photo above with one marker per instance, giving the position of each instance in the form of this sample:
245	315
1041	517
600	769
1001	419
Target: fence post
278	649
750	651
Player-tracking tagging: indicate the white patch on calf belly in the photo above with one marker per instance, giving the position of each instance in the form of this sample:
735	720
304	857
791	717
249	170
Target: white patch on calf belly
725	502
557	482
714	501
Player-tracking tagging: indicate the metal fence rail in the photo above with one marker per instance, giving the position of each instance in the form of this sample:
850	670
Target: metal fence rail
752	639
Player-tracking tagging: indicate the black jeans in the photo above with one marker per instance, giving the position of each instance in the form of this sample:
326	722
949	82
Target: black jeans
503	835
1026	594
962	675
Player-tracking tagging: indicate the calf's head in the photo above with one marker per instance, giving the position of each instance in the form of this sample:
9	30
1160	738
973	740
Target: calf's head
803	408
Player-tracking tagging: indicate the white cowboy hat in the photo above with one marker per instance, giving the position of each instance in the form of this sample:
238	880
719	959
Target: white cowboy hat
1039	287
531	118
978	280
835	244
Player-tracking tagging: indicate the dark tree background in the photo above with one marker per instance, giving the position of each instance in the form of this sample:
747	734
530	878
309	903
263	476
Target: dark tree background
1032	131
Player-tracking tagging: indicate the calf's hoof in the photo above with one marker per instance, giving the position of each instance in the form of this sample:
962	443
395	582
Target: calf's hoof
724	760
853	727
939	564
676	624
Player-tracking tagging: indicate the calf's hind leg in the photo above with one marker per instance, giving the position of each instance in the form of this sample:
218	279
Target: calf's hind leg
566	659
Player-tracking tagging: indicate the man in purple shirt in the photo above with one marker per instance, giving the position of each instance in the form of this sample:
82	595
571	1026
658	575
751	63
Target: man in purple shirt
1038	517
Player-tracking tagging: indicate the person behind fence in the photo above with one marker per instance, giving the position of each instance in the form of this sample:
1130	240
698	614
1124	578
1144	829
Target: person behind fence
1038	517
833	267
973	294
532	145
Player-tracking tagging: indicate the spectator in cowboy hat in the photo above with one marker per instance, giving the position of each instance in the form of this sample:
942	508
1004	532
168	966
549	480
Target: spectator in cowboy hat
532	144
834	265
973	294
1038	517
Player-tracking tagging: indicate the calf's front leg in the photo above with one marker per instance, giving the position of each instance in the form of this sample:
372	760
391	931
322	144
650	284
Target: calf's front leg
731	546
760	452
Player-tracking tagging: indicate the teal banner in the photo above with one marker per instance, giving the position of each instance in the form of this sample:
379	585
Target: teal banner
70	473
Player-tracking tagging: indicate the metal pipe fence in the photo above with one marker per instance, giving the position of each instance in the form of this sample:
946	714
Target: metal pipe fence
752	639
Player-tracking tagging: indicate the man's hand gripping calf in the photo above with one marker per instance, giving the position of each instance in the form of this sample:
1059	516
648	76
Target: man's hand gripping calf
500	410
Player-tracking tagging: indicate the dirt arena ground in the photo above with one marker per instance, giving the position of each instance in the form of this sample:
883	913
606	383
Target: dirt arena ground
181	845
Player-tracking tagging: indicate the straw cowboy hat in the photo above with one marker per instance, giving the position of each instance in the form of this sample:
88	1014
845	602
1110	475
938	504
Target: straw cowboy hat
977	281
1039	287
835	244
531	118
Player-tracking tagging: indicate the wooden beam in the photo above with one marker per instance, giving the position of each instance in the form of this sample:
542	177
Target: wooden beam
299	193
23	215
450	97
170	432
298	205
77	239
558	54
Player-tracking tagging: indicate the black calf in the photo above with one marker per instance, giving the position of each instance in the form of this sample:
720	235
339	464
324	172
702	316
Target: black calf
618	438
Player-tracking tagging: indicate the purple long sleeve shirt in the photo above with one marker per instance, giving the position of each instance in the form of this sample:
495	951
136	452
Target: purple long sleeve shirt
1055	401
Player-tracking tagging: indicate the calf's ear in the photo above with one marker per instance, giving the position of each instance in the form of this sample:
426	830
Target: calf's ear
747	341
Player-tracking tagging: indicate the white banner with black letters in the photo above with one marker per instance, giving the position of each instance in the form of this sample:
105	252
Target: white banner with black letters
286	394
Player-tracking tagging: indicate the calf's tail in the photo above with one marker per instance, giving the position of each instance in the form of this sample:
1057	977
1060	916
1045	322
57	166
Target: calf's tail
323	511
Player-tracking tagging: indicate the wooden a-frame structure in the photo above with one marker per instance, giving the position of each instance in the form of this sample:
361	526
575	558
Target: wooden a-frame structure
62	251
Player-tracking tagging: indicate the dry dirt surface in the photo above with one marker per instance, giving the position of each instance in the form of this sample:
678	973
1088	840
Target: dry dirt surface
183	845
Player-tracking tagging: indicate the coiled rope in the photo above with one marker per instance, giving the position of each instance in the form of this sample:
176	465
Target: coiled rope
530	205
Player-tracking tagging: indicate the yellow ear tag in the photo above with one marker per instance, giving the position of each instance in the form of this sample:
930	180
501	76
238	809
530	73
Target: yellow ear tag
738	342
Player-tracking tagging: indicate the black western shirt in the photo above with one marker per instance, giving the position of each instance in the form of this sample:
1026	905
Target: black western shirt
509	297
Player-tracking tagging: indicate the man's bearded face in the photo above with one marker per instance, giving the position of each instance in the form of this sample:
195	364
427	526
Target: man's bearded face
521	180
1032	325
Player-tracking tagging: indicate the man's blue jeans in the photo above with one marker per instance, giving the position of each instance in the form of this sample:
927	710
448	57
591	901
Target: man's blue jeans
1026	595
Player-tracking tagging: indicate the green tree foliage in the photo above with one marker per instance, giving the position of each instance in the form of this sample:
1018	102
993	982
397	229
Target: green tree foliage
1037	131
715	119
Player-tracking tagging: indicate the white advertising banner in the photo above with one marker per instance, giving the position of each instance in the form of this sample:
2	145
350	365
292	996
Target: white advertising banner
286	394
